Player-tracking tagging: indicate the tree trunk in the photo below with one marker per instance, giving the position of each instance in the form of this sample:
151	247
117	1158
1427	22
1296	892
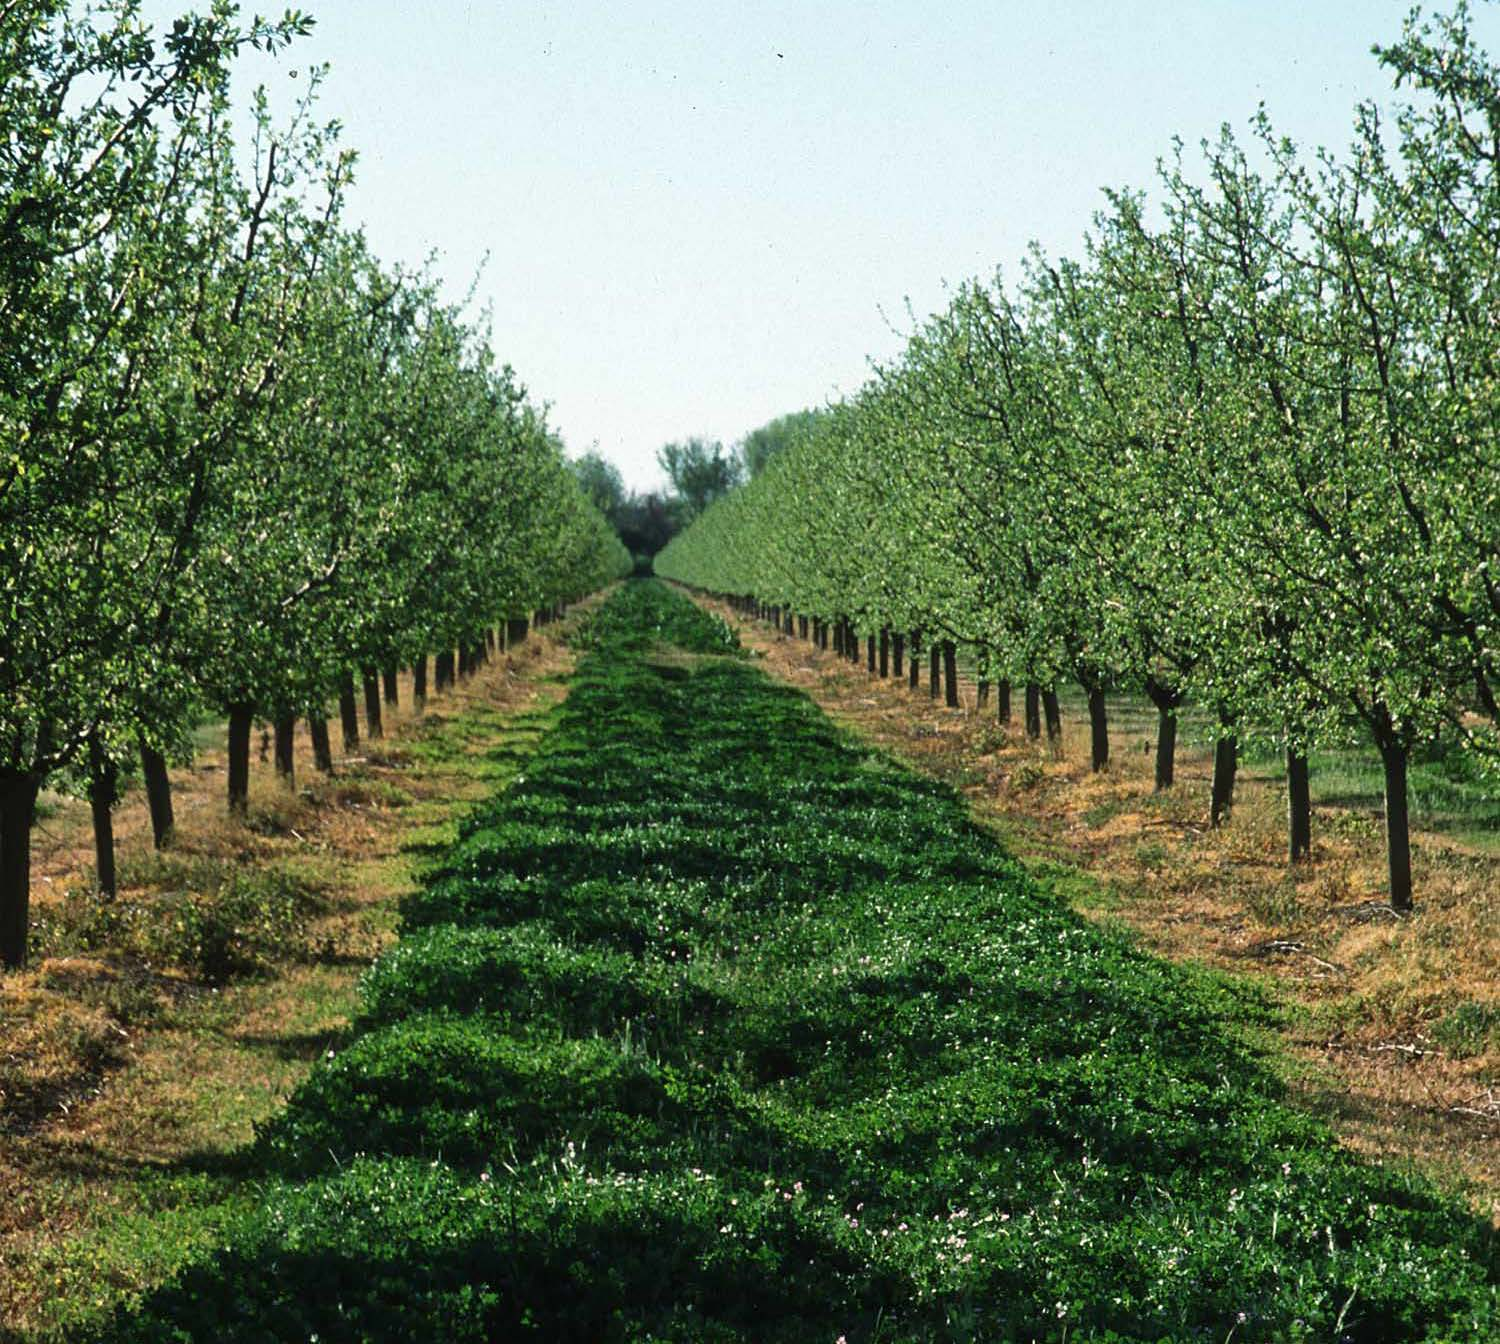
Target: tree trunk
286	761
1098	730
1002	700
463	653
1226	765
838	639
885	652
950	673
515	631
17	813
1053	712
1298	807
389	685
419	682
373	729
240	722
915	672
1166	748
317	730
442	669
104	792
1397	825
158	793
1033	710
982	694
870	653
934	670
1166	703
348	713
898	653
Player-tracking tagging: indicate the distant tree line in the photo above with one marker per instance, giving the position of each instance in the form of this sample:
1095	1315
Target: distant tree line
700	471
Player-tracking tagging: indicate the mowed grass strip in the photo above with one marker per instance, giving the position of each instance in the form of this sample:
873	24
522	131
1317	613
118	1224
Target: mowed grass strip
717	1026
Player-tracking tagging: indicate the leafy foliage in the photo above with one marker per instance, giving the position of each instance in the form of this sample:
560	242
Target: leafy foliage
1241	449
242	458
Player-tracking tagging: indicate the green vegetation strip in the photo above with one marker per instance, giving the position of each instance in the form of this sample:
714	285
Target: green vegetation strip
716	1026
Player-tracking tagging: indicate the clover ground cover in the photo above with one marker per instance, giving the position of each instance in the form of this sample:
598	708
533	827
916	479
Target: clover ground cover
716	1026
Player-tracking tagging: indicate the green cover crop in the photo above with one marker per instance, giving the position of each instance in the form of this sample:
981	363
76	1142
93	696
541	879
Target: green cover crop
718	1026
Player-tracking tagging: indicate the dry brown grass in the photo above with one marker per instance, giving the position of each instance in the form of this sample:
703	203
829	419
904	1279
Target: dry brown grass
1367	988
114	1069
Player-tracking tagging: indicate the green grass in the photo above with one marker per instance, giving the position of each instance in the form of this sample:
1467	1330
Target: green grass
705	1031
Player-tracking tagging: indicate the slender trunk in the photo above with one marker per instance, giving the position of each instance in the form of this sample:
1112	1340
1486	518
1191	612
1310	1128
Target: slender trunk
489	638
419	682
1226	766
885	651
373	729
17	813
348	713
870	653
317	730
1166	748
502	643
982	694
1033	710
950	673
802	627
1002	700
1298	807
443	669
1397	825
158	793
934	669
898	652
838	638
463	654
1098	730
104	779
388	684
1053	711
1166	702
915	672
286	767
240	722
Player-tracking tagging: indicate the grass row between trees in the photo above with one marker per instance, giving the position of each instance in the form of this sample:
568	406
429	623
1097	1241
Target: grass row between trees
718	1026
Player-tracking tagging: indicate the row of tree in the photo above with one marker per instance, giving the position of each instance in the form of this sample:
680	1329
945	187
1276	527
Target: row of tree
1246	449
241	461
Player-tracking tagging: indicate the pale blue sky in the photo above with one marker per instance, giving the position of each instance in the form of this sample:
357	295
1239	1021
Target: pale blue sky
696	213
